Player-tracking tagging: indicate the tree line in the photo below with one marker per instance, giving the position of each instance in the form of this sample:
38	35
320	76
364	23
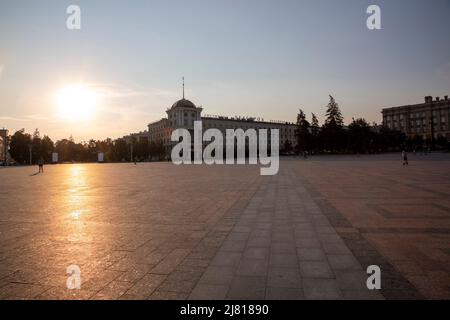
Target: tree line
358	137
24	147
332	137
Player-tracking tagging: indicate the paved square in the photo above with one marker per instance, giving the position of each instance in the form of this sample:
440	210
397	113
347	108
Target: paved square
158	231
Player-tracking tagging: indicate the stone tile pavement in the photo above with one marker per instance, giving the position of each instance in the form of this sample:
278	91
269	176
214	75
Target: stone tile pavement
283	247
158	231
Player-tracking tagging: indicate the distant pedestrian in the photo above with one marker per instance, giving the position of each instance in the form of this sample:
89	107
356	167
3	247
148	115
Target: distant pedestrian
405	158
41	165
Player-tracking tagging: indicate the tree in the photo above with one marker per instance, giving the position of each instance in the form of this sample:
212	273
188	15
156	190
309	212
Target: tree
333	115
142	149
36	146
47	148
333	134
287	147
360	136
120	150
66	149
19	146
315	132
390	140
302	132
160	151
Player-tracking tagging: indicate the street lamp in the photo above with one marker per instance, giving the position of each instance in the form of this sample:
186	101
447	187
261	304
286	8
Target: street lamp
30	148
131	151
432	124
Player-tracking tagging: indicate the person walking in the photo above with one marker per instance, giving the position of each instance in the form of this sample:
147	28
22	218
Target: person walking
41	165
405	158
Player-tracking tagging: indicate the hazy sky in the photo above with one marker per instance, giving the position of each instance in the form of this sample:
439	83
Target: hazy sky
239	57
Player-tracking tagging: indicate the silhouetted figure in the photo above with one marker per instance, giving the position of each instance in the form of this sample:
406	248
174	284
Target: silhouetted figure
405	158
41	165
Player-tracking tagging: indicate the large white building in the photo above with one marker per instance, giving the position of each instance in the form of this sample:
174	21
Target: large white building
183	113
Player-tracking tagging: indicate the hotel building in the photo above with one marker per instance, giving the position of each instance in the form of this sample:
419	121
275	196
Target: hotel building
427	119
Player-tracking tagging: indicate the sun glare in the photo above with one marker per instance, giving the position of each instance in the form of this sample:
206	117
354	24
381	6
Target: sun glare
76	102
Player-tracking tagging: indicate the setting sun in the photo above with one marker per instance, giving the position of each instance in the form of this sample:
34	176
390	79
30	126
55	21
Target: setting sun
76	102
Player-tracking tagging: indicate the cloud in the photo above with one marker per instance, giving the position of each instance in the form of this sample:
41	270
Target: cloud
1	70
29	117
13	119
117	91
36	117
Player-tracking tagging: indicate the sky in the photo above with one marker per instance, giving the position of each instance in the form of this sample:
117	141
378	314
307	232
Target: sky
262	58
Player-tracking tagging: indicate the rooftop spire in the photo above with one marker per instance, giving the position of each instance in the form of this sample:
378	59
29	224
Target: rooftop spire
183	87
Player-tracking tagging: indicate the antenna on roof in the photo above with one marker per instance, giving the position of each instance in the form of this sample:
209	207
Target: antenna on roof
183	87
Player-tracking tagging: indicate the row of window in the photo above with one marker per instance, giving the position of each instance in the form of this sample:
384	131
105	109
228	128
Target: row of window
417	127
413	115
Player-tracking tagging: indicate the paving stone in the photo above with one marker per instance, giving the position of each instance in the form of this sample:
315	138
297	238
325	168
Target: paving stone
209	292
315	269
284	277
256	253
308	243
343	262
321	289
283	260
122	230
277	293
311	254
171	261
145	286
167	295
252	267
234	245
244	287
225	258
113	290
218	275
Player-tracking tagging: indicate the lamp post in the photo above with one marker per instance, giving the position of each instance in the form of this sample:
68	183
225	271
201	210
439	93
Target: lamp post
131	151
432	124
30	148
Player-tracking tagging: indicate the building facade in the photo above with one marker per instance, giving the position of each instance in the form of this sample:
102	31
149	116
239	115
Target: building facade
4	146
429	120
184	113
